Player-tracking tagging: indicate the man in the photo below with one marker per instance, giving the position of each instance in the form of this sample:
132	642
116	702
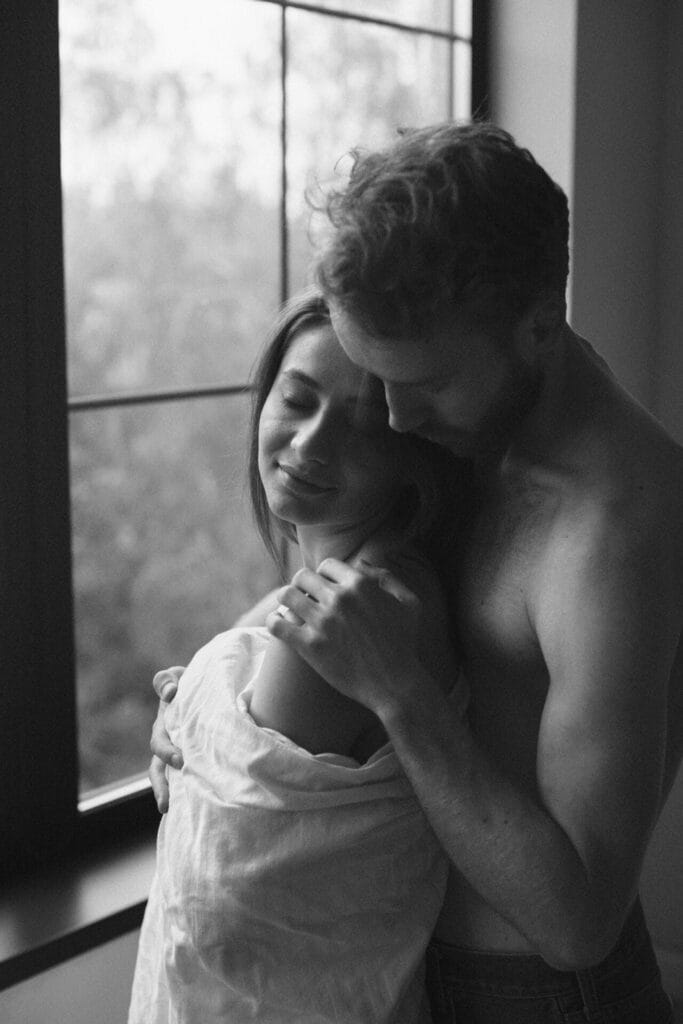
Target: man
446	274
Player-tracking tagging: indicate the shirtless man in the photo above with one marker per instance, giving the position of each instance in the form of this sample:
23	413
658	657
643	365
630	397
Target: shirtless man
446	274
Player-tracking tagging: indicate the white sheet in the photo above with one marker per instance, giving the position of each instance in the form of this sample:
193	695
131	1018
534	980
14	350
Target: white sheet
290	888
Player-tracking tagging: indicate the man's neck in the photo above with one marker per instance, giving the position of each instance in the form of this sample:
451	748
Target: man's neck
559	409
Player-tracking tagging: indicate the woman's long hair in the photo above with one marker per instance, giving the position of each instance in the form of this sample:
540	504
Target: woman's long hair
436	481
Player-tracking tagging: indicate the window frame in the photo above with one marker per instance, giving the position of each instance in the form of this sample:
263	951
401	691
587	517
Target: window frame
38	724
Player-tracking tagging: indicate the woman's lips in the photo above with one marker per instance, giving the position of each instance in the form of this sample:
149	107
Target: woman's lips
302	484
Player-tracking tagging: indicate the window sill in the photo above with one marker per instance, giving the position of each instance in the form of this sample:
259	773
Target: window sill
52	915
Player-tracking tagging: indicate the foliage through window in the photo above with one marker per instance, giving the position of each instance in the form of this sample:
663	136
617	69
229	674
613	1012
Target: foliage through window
189	136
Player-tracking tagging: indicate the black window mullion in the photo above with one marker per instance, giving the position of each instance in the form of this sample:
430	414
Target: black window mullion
365	19
85	403
451	62
480	59
284	222
39	712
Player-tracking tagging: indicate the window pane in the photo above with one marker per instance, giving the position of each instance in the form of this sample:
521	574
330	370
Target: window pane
165	557
350	84
462	81
462	18
434	14
171	181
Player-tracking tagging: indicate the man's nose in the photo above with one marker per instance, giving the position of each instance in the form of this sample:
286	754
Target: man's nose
406	410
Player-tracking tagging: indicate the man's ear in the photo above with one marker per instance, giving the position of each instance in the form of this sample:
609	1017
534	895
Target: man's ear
537	331
549	314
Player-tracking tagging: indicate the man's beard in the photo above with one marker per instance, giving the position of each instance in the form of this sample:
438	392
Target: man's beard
492	435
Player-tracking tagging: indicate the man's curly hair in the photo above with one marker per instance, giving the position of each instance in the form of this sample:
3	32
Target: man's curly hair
450	214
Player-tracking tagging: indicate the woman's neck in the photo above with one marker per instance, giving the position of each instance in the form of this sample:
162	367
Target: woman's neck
320	541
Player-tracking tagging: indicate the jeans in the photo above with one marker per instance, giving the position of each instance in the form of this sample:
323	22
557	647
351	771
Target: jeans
467	987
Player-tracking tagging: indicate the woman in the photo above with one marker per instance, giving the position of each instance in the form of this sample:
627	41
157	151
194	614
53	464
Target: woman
297	877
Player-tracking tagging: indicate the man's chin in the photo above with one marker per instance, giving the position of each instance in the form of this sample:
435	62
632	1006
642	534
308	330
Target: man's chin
474	445
463	445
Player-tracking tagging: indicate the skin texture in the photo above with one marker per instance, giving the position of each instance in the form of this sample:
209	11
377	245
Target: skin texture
331	466
570	604
569	612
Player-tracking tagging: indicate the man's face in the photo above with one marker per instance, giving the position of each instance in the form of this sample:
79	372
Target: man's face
462	387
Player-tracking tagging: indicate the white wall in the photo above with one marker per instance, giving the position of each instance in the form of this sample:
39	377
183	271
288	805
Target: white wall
595	90
618	136
669	384
533	74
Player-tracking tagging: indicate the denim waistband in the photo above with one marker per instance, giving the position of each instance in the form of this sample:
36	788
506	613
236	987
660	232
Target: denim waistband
629	966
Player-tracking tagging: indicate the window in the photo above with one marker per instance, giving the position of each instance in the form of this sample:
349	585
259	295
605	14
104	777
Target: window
144	261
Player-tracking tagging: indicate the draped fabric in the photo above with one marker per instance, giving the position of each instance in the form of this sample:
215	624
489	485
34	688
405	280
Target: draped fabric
291	888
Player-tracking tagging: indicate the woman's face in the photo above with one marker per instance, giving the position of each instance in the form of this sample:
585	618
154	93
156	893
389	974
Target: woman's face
326	452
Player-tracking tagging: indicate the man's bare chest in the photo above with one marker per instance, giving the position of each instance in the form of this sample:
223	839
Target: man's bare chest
501	563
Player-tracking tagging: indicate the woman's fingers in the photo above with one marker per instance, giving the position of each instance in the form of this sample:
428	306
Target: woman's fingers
157	776
165	683
161	744
164	753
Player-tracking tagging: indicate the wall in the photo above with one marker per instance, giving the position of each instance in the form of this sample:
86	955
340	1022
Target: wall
669	402
617	163
532	79
594	90
663	878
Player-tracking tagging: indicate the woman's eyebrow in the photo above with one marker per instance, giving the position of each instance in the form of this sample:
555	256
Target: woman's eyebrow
303	377
368	397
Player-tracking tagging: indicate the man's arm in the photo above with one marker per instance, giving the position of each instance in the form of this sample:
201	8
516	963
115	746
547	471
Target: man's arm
561	865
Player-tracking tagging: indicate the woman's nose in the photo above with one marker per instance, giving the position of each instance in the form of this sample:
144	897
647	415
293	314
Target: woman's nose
406	409
314	438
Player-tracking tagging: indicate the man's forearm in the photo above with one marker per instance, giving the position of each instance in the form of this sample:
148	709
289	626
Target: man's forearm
508	847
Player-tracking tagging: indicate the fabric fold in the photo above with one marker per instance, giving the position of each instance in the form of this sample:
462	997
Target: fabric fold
290	887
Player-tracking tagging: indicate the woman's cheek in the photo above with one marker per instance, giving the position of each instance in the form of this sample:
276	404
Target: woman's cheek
272	433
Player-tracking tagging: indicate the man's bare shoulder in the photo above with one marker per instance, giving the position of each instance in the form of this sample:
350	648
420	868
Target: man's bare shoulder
624	508
624	472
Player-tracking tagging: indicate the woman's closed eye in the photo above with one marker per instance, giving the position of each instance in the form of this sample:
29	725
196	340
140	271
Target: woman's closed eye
296	398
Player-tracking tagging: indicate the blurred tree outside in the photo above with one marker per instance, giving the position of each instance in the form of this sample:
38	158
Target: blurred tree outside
172	264
171	189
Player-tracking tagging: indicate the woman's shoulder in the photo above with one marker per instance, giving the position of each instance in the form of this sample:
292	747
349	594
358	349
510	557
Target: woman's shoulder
234	645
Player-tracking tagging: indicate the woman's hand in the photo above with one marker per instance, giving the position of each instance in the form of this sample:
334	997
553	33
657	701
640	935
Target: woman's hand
358	628
165	753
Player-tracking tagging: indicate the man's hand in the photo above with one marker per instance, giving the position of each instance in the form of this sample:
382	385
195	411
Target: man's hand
166	685
357	628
